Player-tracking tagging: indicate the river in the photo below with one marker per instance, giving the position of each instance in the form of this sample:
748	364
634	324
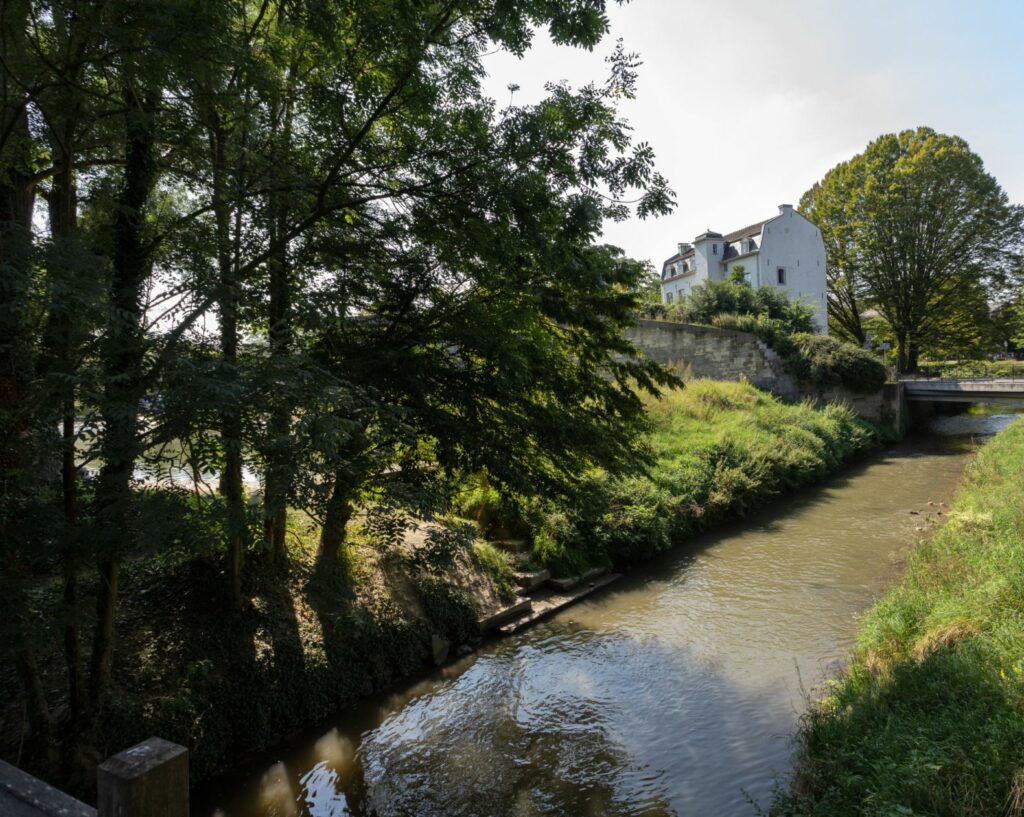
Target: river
676	692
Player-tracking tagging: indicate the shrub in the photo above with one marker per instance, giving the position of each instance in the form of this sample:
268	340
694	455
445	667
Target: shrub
735	297
816	360
827	361
496	514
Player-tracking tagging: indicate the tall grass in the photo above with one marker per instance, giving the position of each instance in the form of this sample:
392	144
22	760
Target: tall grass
929	717
721	450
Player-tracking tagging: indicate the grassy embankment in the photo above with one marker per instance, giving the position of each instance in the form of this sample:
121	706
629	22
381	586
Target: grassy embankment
928	718
720	450
225	685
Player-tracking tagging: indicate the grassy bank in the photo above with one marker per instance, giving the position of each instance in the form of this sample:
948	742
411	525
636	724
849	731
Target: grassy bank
929	717
720	451
229	685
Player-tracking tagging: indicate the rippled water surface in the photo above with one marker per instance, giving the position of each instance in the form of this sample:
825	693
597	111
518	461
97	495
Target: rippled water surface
674	693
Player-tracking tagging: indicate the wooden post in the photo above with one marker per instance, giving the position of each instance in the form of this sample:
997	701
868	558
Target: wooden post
148	780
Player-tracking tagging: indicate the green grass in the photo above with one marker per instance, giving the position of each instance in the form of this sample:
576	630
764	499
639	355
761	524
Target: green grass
928	719
721	450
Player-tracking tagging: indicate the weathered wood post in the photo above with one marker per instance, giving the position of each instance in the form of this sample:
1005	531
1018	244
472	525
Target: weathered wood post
148	780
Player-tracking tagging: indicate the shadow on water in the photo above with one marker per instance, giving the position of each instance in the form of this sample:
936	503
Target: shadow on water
576	722
673	693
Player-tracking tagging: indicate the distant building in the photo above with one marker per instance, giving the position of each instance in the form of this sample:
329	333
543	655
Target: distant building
785	251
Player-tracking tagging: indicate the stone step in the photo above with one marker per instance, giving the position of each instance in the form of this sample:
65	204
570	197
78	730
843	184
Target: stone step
512	545
546	606
521	608
563	585
529	581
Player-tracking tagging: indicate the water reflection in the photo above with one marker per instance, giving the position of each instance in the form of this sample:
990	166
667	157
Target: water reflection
676	693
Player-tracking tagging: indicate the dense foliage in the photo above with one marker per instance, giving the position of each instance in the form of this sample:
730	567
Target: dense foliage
928	717
293	251
918	232
784	325
815	360
735	296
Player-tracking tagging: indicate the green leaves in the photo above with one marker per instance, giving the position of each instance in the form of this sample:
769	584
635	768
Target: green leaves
911	225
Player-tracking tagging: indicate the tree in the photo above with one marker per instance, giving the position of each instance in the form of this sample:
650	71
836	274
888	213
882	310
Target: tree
912	224
829	205
298	238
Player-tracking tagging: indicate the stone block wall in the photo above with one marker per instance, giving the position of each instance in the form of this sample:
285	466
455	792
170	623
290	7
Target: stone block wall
725	354
706	351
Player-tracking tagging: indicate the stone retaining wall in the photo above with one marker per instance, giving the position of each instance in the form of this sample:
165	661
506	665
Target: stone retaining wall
726	354
706	351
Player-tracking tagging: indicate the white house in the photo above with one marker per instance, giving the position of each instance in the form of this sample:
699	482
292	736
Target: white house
785	251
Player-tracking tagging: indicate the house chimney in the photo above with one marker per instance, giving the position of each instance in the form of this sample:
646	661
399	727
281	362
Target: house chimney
684	247
785	208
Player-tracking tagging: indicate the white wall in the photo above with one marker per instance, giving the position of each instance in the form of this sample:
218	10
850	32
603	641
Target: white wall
789	241
792	242
750	267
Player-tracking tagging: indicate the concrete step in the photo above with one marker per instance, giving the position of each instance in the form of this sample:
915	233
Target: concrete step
521	607
563	585
529	581
545	605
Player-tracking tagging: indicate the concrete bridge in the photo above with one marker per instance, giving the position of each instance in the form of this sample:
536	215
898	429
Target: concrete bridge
964	389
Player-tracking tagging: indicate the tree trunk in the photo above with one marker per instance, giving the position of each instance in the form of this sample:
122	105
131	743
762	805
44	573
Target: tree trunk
230	417
901	352
123	357
913	352
19	448
63	227
278	480
332	535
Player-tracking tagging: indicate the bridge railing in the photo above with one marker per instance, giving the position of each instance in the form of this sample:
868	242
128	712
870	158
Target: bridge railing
1009	381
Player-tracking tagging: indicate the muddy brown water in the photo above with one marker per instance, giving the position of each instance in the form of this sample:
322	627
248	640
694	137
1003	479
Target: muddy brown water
675	692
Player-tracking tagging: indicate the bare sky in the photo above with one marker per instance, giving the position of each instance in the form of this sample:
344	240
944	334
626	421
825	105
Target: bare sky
748	102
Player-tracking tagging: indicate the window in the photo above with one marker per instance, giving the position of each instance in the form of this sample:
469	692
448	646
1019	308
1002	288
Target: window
714	249
668	297
781	271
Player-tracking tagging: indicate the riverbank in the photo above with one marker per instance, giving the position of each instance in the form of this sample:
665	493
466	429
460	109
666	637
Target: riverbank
720	450
928	717
231	686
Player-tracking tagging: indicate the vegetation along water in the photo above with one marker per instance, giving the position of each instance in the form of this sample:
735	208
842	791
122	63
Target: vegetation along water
928	718
676	692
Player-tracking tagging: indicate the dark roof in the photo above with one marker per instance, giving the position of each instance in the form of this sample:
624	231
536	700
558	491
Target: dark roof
747	232
708	234
679	257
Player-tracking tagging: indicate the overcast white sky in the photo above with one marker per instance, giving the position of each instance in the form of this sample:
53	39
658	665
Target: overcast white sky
748	102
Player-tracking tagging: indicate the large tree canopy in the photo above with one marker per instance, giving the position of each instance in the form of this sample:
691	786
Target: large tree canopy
296	237
913	226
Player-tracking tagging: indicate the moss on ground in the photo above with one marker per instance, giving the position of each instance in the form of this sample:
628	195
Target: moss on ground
928	718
